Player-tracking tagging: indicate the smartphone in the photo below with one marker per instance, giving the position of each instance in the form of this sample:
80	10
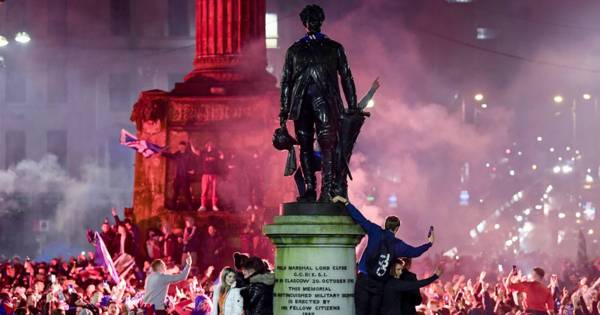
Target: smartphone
53	278
500	268
430	231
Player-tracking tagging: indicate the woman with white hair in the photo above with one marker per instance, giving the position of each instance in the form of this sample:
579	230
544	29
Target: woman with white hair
227	299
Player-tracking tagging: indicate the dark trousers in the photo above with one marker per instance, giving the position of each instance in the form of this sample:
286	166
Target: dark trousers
182	186
160	312
368	294
317	113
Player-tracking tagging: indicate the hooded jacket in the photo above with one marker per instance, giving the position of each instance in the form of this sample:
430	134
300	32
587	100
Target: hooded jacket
258	295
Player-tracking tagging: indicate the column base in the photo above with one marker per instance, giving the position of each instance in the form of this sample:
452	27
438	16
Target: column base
315	264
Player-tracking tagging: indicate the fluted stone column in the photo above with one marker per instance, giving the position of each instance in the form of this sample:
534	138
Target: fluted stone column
229	32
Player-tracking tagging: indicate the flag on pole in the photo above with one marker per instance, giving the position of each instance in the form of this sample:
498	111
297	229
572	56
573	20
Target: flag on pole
103	258
145	148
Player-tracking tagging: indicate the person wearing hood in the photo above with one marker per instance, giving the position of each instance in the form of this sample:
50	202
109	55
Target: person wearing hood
394	293
258	294
227	299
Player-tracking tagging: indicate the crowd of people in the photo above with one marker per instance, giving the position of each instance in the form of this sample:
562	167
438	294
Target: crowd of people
172	279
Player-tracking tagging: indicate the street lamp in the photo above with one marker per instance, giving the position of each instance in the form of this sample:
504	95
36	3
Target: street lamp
558	99
484	105
22	37
586	97
478	97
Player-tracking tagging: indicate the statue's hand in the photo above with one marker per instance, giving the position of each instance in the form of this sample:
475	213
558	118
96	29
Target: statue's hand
351	110
282	120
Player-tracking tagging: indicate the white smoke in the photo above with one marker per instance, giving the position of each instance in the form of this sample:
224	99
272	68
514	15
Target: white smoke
82	201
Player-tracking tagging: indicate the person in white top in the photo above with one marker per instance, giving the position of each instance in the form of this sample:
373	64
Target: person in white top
227	299
157	284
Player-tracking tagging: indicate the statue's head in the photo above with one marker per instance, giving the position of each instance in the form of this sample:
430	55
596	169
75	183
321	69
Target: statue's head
312	17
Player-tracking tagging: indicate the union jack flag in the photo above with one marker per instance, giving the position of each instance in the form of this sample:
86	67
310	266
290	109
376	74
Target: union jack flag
145	148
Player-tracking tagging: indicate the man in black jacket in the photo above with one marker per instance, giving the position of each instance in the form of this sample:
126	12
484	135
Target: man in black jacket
184	160
258	283
310	97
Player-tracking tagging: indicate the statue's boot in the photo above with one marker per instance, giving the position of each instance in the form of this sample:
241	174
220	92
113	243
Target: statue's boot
310	180
328	176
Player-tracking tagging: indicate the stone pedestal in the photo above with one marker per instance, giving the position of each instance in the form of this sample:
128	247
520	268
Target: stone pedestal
315	263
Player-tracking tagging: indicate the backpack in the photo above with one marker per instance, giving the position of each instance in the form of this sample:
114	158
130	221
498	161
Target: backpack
379	264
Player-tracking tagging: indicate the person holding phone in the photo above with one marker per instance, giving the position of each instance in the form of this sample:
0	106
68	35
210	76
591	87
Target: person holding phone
157	284
383	248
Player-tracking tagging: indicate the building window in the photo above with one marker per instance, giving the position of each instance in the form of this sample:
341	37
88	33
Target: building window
56	144
120	17
56	80
119	91
178	18
57	19
15	83
15	142
271	31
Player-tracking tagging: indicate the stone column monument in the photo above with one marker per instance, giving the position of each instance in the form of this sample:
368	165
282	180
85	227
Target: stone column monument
315	263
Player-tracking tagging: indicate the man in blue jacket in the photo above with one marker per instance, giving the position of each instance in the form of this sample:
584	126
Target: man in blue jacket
369	284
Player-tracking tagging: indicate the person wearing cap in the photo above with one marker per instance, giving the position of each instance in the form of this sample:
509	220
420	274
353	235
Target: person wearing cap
538	299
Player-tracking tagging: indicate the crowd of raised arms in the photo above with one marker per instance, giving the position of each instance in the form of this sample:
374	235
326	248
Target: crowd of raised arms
176	275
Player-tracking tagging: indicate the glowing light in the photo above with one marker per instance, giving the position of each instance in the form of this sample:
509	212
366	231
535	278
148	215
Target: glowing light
473	233
3	41
568	148
496	226
534	167
539	139
562	215
556	169
371	103
549	188
560	158
519	218
586	96
560	237
527	227
481	226
484	105
507	151
577	214
478	97
545	196
519	153
538	207
590	231
22	37
566	169
487	164
589	179
508	243
271	30
527	211
558	99
511	173
551	149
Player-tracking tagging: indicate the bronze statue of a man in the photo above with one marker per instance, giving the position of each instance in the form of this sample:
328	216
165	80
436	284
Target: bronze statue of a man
310	97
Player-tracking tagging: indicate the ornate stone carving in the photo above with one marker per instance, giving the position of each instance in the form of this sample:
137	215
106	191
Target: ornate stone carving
151	106
198	112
